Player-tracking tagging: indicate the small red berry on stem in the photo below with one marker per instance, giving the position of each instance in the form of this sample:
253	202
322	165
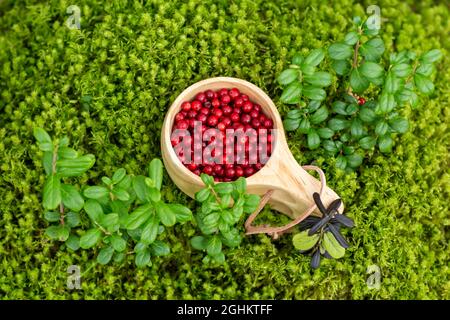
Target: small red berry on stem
361	101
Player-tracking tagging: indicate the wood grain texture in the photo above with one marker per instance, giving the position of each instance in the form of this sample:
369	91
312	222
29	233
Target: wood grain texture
292	184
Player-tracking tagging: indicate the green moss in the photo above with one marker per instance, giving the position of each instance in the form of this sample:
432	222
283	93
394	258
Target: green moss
133	60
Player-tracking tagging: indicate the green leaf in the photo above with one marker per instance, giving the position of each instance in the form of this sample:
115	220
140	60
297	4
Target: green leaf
424	84
75	167
52	216
241	185
402	70
73	242
338	124
73	219
348	150
332	246
47	161
207	180
52	192
313	139
351	38
202	195
340	51
107	181
297	59
139	216
291	124
315	57
372	49
118	175
341	162
319	79
94	210
356	128
119	257
223	188
319	116
431	56
292	93
142	258
95	192
354	160
358	82
67	153
160	248
325	133
71	198
90	238
118	243
59	232
385	144
182	213
214	245
155	172
304	126
386	103
314	93
167	216
391	84
251	203
352	108
150	230
219	258
304	242
105	255
307	69
339	107
371	70
42	136
367	115
110	222
425	69
141	189
381	128
399	125
121	194
294	114
287	76
342	67
330	146
367	142
199	243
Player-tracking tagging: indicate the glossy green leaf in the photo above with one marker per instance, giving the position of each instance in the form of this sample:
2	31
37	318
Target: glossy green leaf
71	198
331	245
155	172
90	238
371	70
67	153
73	219
372	49
423	84
288	76
431	56
354	160
142	258
118	175
160	248
319	79
367	142
139	216
325	133
52	192
341	162
340	51
304	242
199	243
214	245
399	125
313	139
357	81
342	67
319	116
292	93
96	192
118	243
73	242
165	213
93	209
105	255
385	144
75	167
202	195
315	57
314	93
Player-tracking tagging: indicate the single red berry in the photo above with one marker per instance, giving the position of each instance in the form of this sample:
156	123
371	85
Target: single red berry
200	97
191	166
262	117
238	102
225	99
229	173
361	101
182	125
244	97
192	114
209	94
221	126
215	103
191	123
249	171
186	106
223	92
204	111
256	107
254	114
217	112
179	116
247	106
226	121
227	110
258	166
268	124
212	120
235	117
245	118
255	123
196	105
237	110
202	117
218	170
197	172
239	172
208	169
234	93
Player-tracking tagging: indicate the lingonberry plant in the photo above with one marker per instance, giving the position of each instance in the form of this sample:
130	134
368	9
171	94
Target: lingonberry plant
222	207
366	110
105	209
321	236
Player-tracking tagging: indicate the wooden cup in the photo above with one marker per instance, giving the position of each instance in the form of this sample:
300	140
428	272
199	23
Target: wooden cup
293	186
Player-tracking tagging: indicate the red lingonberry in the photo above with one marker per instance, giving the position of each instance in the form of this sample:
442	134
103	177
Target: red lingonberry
238	102
361	101
215	103
247	106
209	94
200	97
234	93
245	118
196	105
212	120
179	116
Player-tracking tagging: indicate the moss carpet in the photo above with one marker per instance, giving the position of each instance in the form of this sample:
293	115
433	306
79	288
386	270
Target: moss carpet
133	59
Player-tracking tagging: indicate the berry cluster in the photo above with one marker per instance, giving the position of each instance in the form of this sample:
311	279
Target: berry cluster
222	110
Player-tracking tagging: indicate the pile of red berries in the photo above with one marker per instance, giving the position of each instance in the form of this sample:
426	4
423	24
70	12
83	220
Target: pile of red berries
224	109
